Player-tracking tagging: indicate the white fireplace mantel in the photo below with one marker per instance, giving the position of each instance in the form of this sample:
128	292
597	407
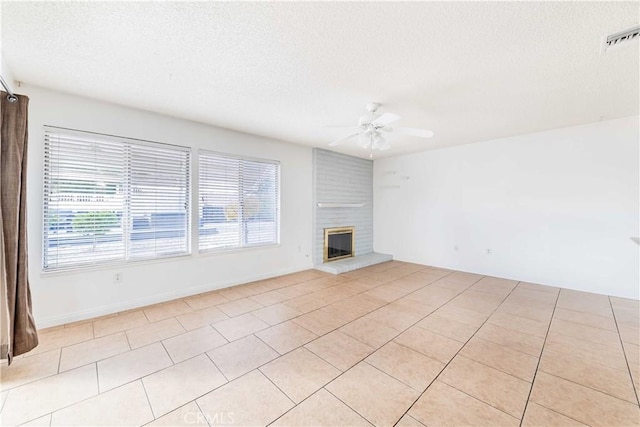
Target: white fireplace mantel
339	205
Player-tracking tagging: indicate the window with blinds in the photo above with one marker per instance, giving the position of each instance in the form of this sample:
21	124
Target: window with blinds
110	199
238	201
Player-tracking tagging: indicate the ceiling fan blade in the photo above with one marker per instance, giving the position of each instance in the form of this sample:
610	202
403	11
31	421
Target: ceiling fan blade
385	119
422	133
341	140
349	127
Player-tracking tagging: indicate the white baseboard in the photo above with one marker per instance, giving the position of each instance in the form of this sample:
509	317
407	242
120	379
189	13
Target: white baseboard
155	299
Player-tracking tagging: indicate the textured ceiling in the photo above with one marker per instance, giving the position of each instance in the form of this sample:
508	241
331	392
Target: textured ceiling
470	71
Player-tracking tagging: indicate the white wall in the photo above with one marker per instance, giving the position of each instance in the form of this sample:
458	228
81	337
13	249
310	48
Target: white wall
64	297
556	207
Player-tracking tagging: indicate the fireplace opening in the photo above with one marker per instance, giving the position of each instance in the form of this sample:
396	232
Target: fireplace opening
338	243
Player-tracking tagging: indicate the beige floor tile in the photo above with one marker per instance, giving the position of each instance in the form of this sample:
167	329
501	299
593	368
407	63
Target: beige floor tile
41	397
200	318
166	310
93	350
202	301
339	314
185	416
240	326
635	375
379	398
29	369
239	306
174	386
251	400
542	315
632	352
126	367
441	405
241	356
122	322
453	285
269	298
295	290
305	303
340	349
618	302
628	317
407	365
581	403
500	390
286	336
458	314
449	328
520	324
536	416
430	344
548	298
369	332
405	304
594	320
587	333
471	300
434	296
39	422
462	277
386	293
321	409
515	340
126	405
503	358
630	334
189	344
61	337
495	285
236	293
614	382
393	318
154	332
319	322
409	421
539	288
608	355
276	313
299	374
585	302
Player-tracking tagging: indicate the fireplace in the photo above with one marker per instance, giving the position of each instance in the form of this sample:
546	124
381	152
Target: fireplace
339	243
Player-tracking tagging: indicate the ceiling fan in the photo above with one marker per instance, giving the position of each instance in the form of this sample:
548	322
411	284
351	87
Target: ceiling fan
372	127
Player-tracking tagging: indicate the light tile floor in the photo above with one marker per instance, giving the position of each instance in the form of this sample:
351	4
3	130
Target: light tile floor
391	344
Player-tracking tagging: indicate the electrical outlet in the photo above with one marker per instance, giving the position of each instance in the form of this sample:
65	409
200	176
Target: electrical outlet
117	277
489	252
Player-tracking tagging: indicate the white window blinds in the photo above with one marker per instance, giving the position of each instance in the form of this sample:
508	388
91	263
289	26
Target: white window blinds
238	201
112	199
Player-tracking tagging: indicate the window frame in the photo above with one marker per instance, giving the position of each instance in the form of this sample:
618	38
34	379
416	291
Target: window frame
197	206
126	259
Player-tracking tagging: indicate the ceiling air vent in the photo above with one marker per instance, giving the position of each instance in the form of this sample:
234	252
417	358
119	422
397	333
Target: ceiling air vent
621	38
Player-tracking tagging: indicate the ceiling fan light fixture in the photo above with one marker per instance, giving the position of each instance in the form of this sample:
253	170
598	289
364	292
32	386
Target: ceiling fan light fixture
370	128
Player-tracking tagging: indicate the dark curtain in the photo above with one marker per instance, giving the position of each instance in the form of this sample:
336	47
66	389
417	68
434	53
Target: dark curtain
18	333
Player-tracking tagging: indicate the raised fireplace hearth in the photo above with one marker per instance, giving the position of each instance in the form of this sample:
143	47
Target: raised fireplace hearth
339	243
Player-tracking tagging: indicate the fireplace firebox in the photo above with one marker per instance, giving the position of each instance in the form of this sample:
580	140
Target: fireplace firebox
339	243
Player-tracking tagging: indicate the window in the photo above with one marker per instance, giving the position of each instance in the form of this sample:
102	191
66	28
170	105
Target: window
238	201
109	199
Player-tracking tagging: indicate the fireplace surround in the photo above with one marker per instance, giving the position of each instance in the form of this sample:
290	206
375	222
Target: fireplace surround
339	243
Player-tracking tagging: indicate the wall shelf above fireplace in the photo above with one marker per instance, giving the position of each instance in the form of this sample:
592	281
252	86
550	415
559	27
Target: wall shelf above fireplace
339	205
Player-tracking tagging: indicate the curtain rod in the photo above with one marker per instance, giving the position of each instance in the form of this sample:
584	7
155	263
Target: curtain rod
10	96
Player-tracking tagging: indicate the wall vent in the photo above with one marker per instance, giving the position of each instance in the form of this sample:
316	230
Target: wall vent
621	38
